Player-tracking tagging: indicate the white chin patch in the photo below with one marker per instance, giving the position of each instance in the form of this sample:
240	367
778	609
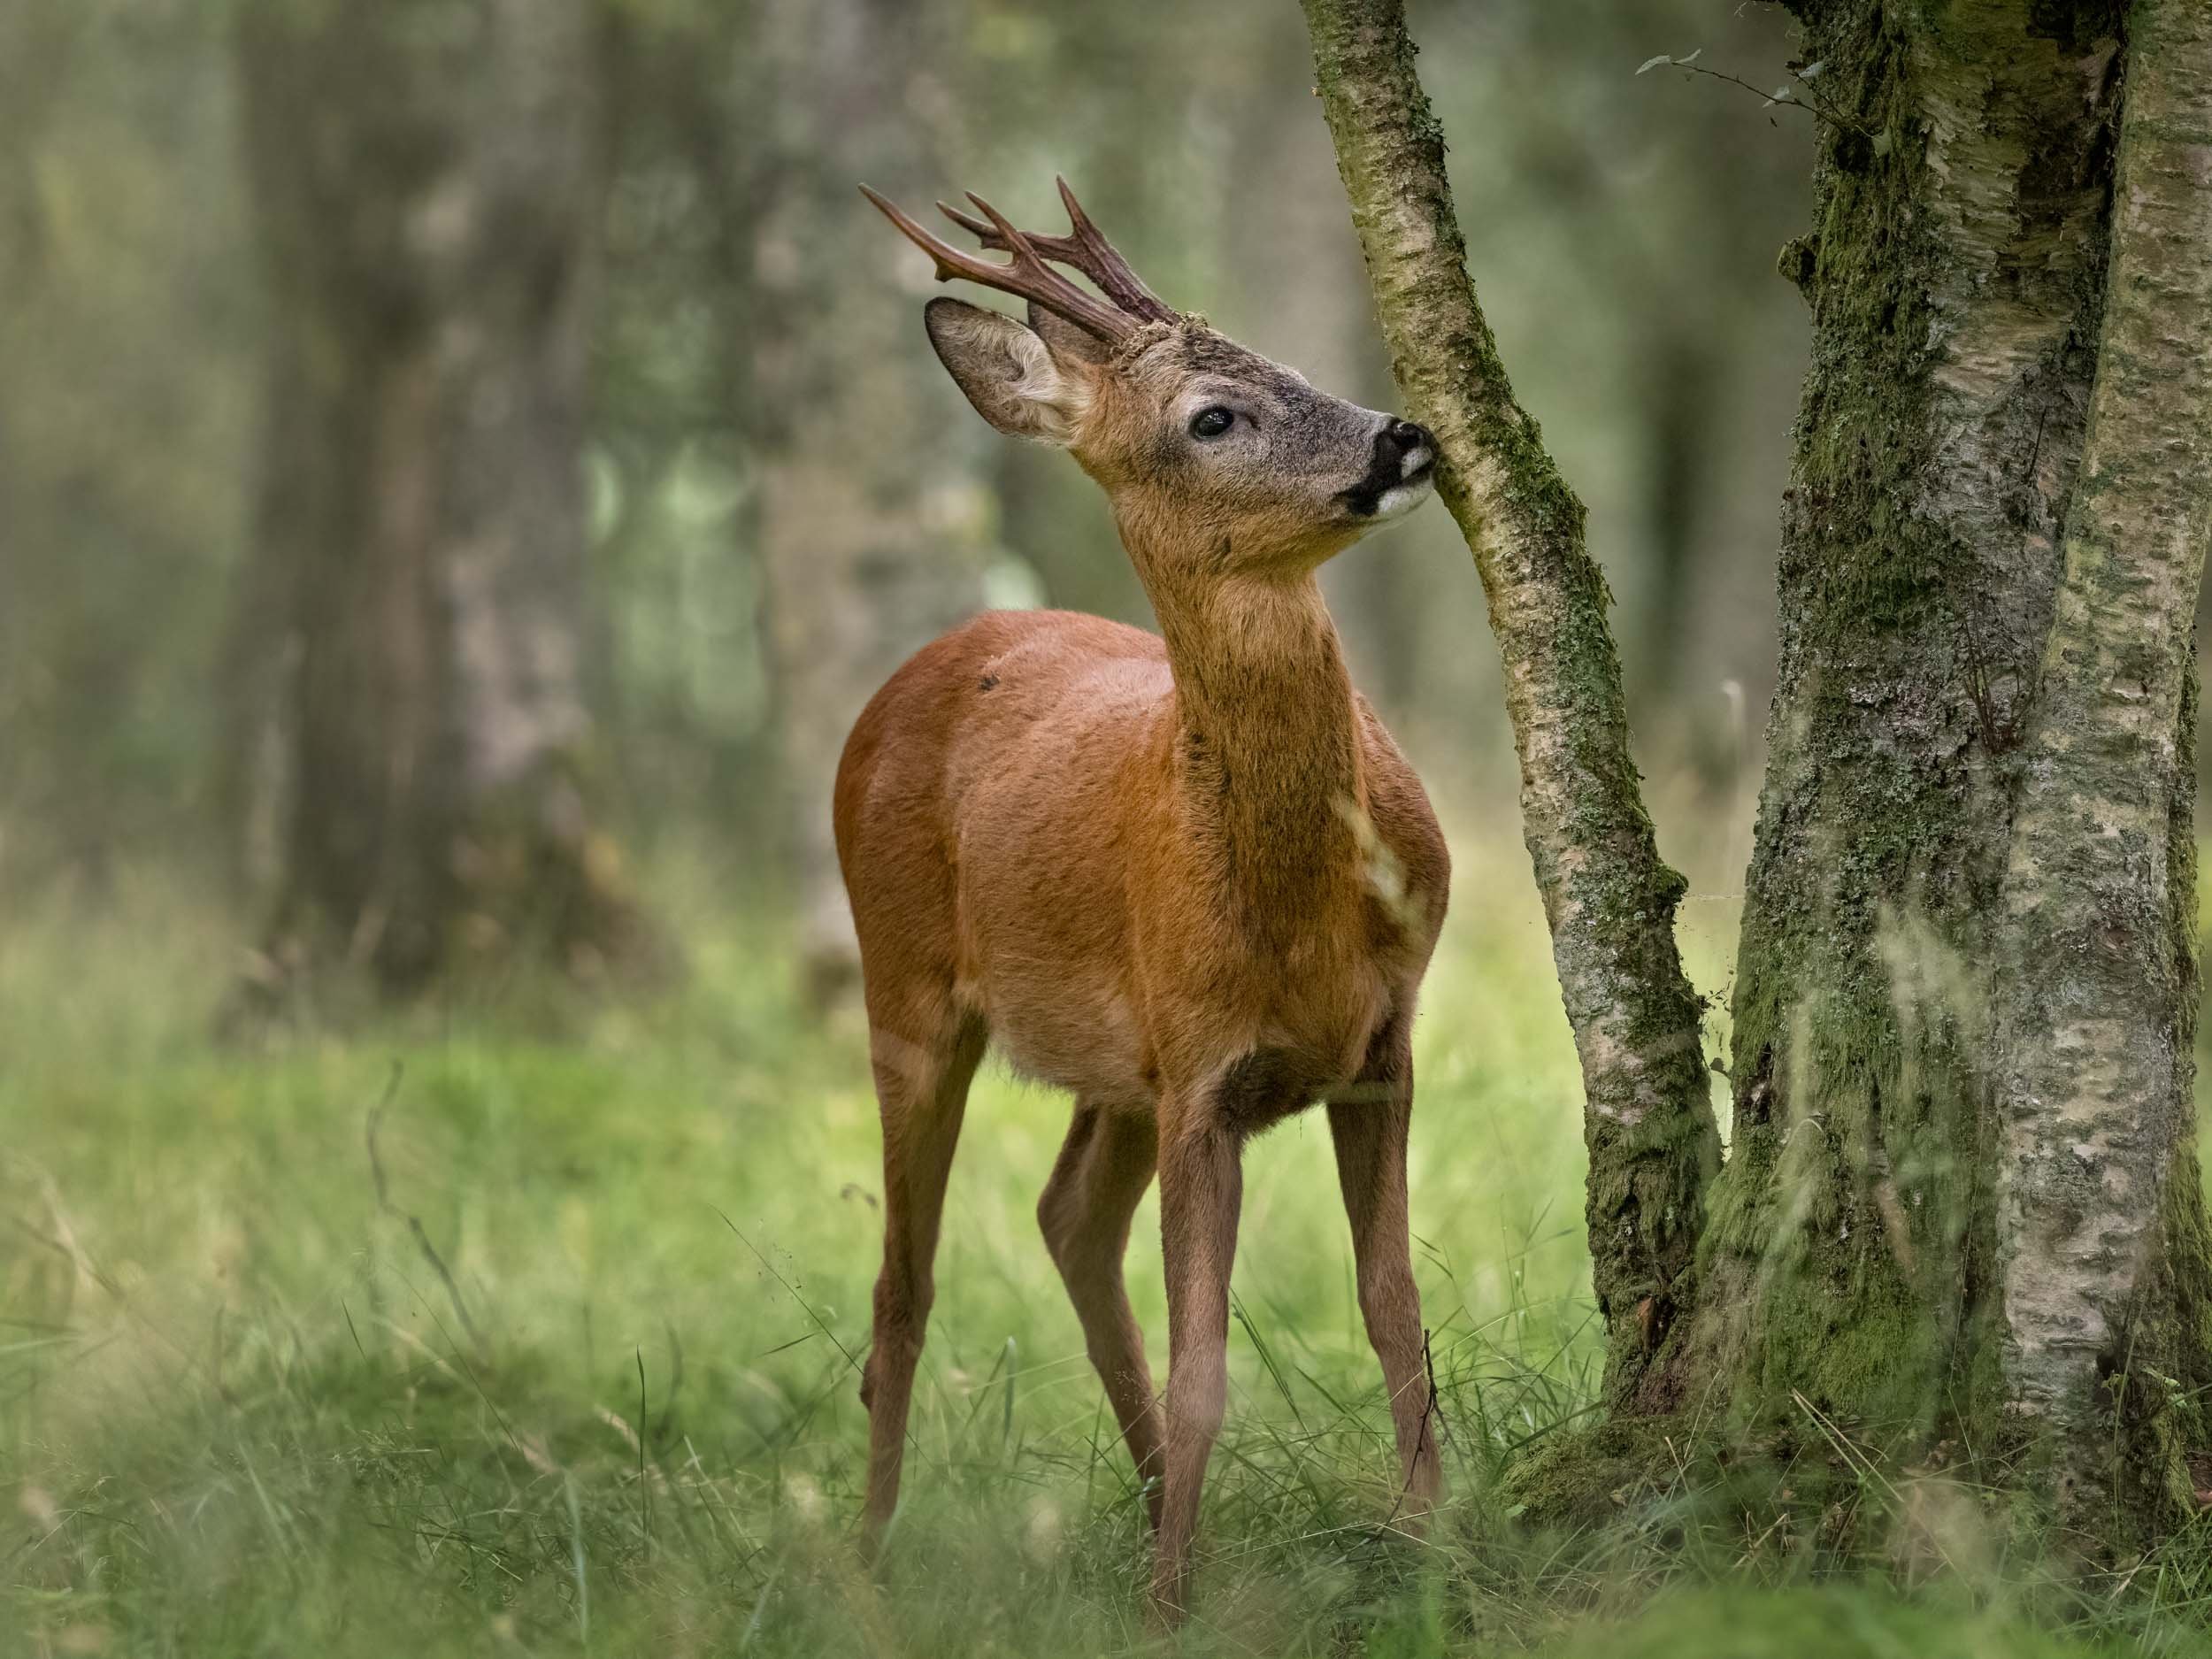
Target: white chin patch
1400	500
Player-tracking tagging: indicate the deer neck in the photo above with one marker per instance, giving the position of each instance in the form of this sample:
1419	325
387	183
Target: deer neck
1267	748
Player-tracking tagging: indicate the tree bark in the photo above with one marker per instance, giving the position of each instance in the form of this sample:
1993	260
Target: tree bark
427	176
2102	1251
1962	1200
1959	255
1609	900
1965	986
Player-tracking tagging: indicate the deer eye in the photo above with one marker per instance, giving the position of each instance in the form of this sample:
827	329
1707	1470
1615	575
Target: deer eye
1211	423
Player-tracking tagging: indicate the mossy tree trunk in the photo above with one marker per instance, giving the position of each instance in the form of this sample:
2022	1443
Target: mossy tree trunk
1609	900
1965	986
2105	1265
1962	1197
1958	259
426	179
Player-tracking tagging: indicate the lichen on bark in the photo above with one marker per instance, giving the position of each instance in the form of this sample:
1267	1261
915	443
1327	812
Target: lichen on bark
1609	899
2100	1222
1958	294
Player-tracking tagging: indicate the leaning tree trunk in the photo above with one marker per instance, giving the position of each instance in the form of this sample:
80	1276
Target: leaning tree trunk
428	180
1610	901
872	523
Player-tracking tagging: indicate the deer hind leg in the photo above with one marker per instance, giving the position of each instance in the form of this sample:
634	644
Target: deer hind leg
1103	1170
1369	1125
922	1089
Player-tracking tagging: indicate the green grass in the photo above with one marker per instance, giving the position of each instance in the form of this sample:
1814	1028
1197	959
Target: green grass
243	1411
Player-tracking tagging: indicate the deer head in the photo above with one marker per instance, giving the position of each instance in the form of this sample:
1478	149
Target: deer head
1218	461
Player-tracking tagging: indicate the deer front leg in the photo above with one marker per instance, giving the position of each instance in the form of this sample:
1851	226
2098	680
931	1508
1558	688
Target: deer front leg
1201	1186
1369	1125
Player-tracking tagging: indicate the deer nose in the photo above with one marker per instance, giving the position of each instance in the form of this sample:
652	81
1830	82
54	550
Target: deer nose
1404	448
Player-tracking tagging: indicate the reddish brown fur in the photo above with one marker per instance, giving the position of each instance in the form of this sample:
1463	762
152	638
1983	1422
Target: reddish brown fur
1190	878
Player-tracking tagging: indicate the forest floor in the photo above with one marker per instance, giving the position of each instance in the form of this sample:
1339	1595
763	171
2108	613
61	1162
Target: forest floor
441	1338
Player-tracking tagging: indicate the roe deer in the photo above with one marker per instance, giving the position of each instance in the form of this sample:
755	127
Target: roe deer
1189	878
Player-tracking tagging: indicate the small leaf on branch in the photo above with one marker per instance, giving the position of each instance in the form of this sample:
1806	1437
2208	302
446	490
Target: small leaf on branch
1654	63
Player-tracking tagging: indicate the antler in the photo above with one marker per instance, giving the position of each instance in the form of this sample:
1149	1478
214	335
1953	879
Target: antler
1027	275
1086	250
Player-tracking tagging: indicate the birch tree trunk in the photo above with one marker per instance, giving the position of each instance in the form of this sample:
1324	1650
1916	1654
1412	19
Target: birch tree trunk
426	177
1610	901
2103	1256
1958	256
1962	1200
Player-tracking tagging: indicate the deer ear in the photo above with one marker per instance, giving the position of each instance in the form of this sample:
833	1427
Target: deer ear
1014	381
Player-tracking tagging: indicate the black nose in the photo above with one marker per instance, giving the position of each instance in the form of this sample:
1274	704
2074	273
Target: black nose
1396	441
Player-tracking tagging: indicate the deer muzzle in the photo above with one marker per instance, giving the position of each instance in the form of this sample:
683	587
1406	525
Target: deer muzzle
1398	474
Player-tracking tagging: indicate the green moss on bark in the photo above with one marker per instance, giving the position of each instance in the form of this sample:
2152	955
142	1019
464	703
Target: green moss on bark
1852	1263
1849	1254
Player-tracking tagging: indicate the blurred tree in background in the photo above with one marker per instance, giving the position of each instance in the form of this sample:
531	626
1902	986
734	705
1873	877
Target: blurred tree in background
427	181
599	334
873	525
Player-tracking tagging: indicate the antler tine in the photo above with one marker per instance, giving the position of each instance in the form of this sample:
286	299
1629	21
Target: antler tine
1086	250
1026	276
1027	257
1113	273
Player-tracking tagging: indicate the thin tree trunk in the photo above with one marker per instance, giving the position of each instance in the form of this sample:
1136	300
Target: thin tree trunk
1609	899
426	176
2102	1250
